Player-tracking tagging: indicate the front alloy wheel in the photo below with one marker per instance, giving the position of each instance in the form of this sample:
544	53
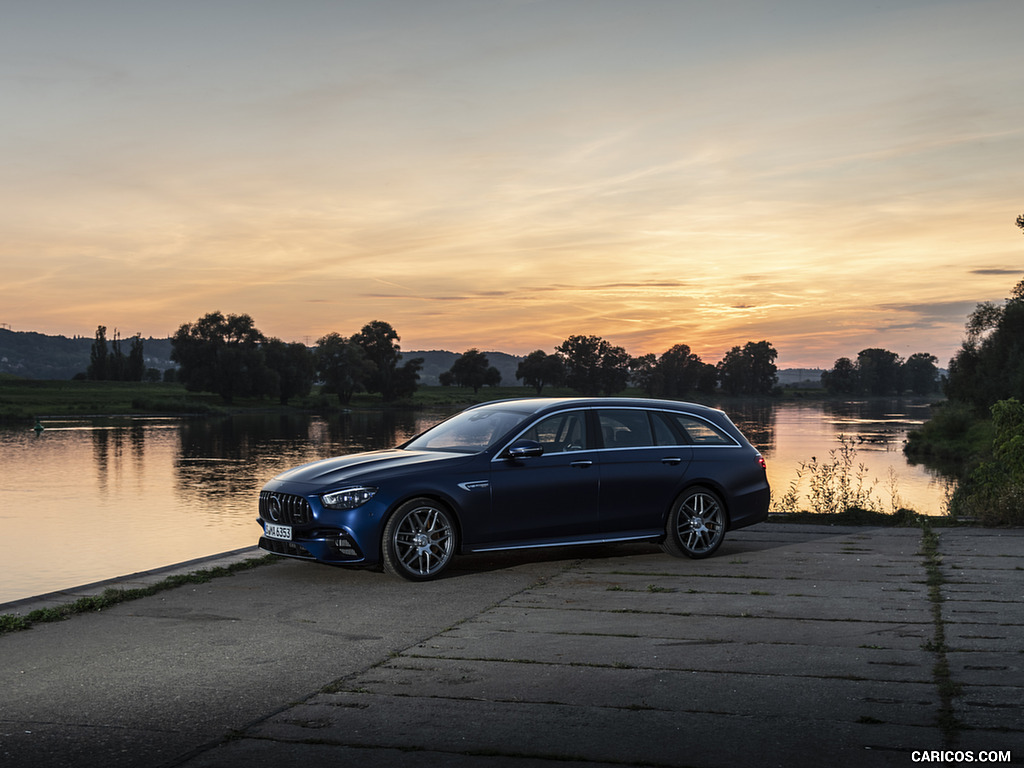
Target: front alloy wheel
419	540
696	525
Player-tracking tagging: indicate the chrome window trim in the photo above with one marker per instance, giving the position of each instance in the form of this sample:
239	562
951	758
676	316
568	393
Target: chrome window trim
499	455
733	442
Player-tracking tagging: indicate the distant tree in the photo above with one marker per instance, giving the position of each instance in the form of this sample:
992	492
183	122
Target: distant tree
679	372
920	373
117	363
878	371
707	382
108	363
749	370
581	356
98	356
614	369
593	366
471	369
539	369
407	378
842	379
221	354
989	366
342	365
292	369
642	373
380	343
136	360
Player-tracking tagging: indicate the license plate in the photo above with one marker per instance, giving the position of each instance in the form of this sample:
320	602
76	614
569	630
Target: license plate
278	532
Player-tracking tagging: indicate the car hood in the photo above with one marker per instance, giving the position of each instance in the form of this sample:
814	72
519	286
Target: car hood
366	467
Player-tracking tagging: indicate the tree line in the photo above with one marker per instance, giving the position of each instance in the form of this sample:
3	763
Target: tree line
981	425
228	355
879	372
986	379
108	362
591	365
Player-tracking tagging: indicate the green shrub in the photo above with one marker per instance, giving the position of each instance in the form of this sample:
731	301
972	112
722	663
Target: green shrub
993	492
840	486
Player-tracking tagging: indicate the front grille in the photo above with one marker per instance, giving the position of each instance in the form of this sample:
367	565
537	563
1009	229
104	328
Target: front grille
285	509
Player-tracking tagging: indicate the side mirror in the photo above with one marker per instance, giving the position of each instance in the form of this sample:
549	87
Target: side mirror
524	449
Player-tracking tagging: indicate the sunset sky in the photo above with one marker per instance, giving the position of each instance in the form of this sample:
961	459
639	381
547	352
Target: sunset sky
501	174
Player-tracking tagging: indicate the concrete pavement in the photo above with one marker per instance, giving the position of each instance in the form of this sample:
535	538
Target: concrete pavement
795	645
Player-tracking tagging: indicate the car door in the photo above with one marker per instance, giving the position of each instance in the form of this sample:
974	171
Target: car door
546	498
643	466
716	454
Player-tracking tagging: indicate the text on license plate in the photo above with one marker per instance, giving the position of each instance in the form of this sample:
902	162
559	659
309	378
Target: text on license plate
278	531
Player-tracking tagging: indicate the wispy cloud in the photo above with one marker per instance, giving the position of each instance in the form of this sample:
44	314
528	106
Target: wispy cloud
828	176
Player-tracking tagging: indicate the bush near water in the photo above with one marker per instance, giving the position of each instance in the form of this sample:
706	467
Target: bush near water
982	421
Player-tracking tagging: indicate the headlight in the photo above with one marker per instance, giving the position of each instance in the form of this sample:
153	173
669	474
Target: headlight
349	498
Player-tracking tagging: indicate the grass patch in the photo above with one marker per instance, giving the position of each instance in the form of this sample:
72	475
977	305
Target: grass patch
902	518
10	622
947	687
656	588
24	400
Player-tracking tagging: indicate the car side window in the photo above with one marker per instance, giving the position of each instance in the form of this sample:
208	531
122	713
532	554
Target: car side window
560	433
701	432
664	433
625	428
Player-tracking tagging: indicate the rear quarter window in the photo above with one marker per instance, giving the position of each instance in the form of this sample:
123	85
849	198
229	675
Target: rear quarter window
702	432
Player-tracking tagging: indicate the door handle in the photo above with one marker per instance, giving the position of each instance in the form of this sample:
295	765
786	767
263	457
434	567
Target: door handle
581	463
672	460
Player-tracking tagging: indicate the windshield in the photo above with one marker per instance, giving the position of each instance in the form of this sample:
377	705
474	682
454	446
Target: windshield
467	432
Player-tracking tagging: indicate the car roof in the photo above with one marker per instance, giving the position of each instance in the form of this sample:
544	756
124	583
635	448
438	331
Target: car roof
528	405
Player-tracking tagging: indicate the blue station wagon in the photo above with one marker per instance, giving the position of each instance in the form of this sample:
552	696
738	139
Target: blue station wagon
518	474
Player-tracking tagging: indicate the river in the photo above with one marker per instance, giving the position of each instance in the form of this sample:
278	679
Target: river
89	499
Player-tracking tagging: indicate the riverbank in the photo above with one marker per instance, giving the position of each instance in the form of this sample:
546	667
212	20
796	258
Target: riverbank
24	401
797	644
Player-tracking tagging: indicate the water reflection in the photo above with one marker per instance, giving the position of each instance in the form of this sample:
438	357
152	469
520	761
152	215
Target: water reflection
91	499
756	420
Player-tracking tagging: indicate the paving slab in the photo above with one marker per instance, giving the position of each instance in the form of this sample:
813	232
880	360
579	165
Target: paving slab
690	629
583	732
791	696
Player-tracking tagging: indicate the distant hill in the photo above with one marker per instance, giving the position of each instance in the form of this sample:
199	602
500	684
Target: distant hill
33	355
436	362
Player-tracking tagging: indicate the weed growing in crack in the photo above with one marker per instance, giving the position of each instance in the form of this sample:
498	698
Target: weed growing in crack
947	687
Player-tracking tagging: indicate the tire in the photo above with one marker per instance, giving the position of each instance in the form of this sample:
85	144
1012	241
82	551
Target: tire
419	540
696	525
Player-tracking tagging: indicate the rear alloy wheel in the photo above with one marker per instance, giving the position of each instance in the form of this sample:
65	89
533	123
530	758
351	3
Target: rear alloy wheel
419	540
696	524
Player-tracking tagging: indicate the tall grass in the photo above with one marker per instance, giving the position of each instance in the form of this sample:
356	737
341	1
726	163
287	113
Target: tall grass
839	485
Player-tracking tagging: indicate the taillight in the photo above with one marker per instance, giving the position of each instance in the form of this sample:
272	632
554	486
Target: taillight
761	461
